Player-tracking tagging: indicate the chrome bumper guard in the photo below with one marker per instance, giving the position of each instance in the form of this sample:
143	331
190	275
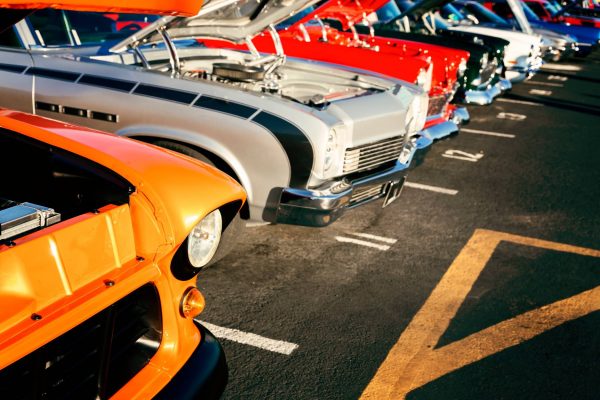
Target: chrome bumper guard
487	96
320	207
459	117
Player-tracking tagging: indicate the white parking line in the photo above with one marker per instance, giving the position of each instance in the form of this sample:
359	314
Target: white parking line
539	92
251	339
529	103
462	155
382	247
374	237
557	78
256	224
544	83
561	67
511	116
488	133
436	189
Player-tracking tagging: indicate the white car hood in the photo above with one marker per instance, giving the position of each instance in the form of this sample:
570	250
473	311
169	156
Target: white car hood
511	36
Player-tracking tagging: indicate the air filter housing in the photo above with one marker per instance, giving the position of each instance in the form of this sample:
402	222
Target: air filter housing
17	218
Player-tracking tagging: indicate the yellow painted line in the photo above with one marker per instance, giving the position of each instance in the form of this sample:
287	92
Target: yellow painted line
412	362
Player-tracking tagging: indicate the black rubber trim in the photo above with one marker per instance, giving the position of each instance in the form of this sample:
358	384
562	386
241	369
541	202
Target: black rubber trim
78	112
225	106
203	376
18	69
104	116
295	143
108	83
40	105
54	74
178	96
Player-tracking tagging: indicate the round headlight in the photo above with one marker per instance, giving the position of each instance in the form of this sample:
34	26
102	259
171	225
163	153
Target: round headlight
204	239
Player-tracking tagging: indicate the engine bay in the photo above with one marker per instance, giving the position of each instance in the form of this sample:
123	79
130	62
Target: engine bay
55	185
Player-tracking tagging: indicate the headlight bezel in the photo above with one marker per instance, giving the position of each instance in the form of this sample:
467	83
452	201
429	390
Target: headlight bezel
183	267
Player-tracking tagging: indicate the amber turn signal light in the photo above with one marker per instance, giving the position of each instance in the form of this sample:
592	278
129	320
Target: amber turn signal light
192	303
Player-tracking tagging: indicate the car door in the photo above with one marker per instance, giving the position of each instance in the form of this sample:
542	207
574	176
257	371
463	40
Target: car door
15	84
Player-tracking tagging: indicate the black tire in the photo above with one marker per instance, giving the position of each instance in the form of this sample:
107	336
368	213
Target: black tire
232	227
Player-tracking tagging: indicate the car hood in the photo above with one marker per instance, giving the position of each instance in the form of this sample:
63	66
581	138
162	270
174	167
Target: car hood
231	20
13	11
511	36
348	12
160	175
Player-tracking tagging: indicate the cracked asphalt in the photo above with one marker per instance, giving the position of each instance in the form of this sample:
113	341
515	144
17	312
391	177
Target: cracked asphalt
346	305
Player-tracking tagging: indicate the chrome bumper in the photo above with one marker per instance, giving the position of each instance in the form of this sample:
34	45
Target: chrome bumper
487	96
519	74
427	136
320	207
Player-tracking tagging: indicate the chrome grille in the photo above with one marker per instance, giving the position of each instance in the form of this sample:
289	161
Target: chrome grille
373	154
94	359
367	193
488	71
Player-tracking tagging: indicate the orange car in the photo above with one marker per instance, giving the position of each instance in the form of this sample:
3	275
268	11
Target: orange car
101	238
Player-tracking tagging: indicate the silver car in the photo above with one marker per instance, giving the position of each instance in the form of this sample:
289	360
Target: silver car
306	140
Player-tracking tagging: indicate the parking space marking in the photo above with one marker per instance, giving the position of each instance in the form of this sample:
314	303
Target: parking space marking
488	133
557	78
511	116
539	92
256	224
561	67
462	155
414	361
374	237
544	83
251	339
382	247
436	189
529	103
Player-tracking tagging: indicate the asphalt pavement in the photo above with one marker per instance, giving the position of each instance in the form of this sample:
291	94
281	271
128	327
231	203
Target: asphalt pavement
482	281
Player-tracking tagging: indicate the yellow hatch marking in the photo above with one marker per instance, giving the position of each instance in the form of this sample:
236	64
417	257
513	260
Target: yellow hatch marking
412	362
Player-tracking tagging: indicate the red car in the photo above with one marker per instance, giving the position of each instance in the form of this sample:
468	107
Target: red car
435	68
549	12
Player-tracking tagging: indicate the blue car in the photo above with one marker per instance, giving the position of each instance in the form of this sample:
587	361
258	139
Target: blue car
586	37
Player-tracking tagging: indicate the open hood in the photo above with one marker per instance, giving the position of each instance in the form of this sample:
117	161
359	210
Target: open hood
13	11
163	7
231	20
348	12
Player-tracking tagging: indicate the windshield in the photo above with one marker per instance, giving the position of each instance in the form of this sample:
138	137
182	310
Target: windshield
481	13
297	17
529	13
418	26
451	13
388	12
70	28
553	7
504	10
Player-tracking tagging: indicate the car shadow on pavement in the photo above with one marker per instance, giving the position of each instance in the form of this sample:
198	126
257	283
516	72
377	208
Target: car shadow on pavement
562	104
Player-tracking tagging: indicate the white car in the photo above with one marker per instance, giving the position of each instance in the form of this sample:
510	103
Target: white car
522	56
